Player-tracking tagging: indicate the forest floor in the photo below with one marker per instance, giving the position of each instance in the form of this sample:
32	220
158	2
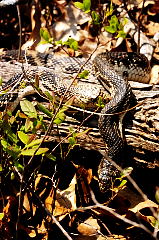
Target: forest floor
49	180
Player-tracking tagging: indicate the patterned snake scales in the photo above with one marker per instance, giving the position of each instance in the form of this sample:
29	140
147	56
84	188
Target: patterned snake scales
110	68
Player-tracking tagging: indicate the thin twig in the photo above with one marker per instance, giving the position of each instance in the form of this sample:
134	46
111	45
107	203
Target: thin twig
20	204
138	26
20	32
105	114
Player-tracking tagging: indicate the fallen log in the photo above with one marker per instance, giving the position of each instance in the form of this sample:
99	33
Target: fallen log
142	135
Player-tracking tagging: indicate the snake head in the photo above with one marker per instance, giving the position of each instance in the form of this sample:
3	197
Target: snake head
107	174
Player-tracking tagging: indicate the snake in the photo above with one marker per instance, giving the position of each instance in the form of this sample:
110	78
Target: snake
113	69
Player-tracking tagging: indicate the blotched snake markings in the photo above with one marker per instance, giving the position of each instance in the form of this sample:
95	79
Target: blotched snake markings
113	69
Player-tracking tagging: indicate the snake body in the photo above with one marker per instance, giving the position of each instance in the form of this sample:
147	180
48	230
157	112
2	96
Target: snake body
113	69
117	68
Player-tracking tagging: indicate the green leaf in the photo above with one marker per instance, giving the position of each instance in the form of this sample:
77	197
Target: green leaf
114	20
72	141
1	81
12	136
7	129
34	142
87	5
127	171
49	96
59	42
111	29
114	24
45	34
12	177
4	143
18	166
116	27
42	42
72	43
31	152
79	5
1	168
100	102
110	10
44	110
28	125
23	137
60	116
9	113
123	183
1	216
95	18
12	150
121	34
51	157
84	74
28	108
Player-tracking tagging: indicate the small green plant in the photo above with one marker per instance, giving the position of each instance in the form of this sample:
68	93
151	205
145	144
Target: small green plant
85	6
19	138
72	43
73	139
96	19
100	102
22	142
1	81
116	27
122	181
45	36
110	10
84	74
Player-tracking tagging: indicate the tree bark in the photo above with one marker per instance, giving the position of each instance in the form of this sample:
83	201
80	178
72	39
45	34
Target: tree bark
142	134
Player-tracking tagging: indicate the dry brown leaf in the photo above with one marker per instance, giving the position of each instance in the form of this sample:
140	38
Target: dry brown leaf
150	219
155	7
41	230
146	3
89	227
26	203
152	27
146	204
49	202
68	26
117	2
154	75
65	201
112	237
12	202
